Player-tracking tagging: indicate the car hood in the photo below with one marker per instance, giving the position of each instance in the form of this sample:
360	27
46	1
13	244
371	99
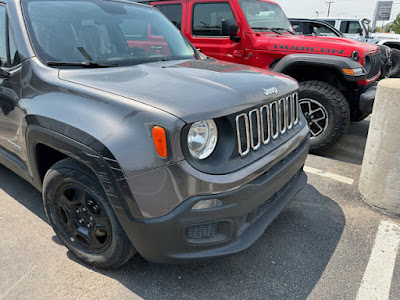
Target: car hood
192	90
319	45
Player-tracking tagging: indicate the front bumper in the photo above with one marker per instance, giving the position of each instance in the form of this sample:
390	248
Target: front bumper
367	99
185	235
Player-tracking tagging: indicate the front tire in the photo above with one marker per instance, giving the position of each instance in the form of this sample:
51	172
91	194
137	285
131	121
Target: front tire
327	113
81	216
395	69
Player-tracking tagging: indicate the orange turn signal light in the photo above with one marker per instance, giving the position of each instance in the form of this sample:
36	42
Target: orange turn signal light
348	71
160	141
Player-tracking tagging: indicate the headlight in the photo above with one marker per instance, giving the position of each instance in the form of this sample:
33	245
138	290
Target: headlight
353	72
202	139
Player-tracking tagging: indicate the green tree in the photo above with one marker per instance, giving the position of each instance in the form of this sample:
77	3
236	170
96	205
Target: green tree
396	24
387	27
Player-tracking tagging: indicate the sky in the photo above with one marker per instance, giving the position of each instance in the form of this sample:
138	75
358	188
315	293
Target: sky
340	8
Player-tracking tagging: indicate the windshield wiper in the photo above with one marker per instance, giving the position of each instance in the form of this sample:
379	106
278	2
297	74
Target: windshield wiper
284	29
83	64
89	64
267	28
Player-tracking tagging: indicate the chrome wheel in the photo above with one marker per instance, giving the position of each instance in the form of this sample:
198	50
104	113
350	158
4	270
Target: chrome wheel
316	116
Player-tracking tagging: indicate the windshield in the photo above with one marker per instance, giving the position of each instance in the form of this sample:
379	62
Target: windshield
260	14
102	32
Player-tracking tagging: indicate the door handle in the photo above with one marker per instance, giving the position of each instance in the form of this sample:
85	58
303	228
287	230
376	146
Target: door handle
156	47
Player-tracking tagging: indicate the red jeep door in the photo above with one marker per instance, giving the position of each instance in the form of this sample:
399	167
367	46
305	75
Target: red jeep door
203	29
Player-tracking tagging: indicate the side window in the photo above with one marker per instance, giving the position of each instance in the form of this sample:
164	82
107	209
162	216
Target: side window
14	59
173	12
332	23
350	27
207	18
3	51
8	52
319	29
298	27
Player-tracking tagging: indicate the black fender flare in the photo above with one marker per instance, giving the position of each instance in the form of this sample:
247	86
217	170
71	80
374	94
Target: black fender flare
84	148
319	60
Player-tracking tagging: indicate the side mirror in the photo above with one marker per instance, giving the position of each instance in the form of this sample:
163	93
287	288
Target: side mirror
231	30
360	31
3	74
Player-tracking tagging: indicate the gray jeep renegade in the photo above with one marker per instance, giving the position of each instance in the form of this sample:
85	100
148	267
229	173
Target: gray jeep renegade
138	142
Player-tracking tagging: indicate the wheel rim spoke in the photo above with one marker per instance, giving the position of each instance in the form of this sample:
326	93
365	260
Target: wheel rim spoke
316	115
101	219
70	203
84	219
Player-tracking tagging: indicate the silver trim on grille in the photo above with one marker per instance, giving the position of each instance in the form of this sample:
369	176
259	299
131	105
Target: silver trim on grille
290	114
296	109
265	119
246	122
274	121
281	115
257	129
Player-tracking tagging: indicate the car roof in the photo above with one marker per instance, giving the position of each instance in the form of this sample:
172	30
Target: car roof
337	19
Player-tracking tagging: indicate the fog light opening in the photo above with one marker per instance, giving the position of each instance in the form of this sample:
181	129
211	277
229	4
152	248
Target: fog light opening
206	204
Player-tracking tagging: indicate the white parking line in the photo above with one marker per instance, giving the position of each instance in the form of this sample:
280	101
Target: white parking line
378	275
339	178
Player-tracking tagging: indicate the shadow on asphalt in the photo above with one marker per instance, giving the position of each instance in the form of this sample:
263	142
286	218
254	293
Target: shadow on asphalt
351	147
285	263
22	191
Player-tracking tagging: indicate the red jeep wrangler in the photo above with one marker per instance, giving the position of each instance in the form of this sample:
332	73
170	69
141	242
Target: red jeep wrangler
337	75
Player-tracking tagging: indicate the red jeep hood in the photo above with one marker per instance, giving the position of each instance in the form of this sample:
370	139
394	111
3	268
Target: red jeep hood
319	45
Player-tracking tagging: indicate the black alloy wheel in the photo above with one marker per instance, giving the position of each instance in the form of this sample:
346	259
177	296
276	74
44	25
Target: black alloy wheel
84	218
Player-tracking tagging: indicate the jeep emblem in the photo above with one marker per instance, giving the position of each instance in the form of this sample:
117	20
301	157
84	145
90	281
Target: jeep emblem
270	91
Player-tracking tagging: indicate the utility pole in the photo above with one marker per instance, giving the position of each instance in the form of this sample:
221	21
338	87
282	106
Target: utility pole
329	6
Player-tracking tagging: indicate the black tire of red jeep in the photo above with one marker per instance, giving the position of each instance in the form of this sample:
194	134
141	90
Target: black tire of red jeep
395	69
337	109
69	172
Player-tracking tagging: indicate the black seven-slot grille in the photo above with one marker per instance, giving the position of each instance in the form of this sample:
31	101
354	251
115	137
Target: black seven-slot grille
375	65
261	125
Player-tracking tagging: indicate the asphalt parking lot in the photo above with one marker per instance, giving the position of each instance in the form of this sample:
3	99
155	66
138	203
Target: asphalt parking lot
321	247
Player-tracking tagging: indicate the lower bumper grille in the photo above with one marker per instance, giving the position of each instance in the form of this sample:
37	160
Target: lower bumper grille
203	231
258	212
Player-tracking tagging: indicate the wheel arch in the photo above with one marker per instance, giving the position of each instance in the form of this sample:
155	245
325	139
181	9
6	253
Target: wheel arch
390	44
326	68
47	146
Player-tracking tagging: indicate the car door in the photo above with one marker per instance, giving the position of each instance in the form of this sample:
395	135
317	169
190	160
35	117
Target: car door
11	115
204	30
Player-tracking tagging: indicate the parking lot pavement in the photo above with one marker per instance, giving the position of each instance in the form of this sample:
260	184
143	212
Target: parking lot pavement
318	248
